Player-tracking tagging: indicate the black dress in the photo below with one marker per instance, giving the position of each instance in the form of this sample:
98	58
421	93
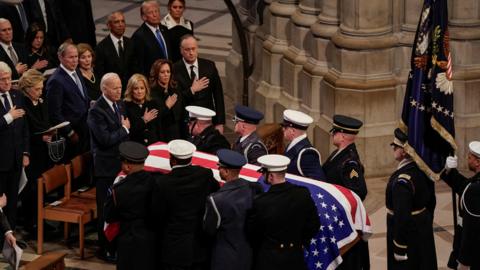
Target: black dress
139	131
171	122
38	121
48	55
93	87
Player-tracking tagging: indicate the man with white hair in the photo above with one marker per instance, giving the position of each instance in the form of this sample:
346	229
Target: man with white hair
12	53
204	134
306	160
469	191
108	127
178	205
14	141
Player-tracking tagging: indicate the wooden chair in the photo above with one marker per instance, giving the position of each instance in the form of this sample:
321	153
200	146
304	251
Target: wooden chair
66	209
80	170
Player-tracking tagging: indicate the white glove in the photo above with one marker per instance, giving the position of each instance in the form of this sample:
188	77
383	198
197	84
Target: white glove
399	258
451	163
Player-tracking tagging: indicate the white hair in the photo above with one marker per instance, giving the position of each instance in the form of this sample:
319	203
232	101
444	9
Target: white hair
5	68
107	78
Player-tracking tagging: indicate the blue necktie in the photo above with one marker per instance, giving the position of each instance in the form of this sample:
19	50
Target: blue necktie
161	42
23	16
6	102
117	112
78	83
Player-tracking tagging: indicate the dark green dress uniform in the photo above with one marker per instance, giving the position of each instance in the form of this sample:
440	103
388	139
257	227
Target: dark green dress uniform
345	169
210	140
469	191
280	223
409	222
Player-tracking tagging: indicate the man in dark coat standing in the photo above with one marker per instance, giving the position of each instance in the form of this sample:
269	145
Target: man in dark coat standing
48	14
306	160
343	167
68	100
248	144
204	134
282	220
151	39
410	242
225	214
115	53
178	205
12	53
469	191
199	81
14	141
129	205
108	127
5	229
16	13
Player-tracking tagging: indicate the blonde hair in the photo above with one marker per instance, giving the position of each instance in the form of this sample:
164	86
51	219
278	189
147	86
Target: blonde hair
132	82
29	79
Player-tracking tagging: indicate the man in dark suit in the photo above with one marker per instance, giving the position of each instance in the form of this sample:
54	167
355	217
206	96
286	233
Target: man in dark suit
179	226
115	53
151	39
203	133
108	128
16	14
12	53
78	16
47	14
225	214
306	160
199	81
282	220
68	100
248	144
14	141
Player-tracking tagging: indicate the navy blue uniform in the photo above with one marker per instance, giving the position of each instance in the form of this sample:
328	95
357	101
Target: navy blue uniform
305	160
225	215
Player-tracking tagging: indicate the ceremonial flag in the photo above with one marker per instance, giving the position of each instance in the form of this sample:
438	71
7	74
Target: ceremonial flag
428	117
340	210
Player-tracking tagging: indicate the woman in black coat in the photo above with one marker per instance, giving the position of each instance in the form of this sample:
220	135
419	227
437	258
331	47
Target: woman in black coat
141	111
172	121
36	112
40	55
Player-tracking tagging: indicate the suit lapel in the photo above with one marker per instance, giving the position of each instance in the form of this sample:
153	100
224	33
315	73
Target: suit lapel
73	86
108	110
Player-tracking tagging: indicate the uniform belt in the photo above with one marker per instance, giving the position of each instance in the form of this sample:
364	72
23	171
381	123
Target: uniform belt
414	213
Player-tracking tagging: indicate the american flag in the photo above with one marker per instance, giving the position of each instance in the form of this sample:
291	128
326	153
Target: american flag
340	211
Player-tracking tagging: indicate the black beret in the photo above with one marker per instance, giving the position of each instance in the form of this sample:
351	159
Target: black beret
133	152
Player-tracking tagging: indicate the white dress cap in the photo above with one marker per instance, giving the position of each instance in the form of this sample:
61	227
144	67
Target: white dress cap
297	118
475	148
200	113
274	163
181	149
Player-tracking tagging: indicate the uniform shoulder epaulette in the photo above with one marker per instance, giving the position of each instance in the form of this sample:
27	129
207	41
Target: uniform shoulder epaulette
404	178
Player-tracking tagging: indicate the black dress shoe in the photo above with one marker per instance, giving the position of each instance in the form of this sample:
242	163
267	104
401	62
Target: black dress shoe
106	256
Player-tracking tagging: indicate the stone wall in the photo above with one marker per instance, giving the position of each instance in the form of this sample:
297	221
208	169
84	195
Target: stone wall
352	57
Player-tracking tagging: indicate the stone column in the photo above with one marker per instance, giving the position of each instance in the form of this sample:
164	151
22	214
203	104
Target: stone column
361	82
